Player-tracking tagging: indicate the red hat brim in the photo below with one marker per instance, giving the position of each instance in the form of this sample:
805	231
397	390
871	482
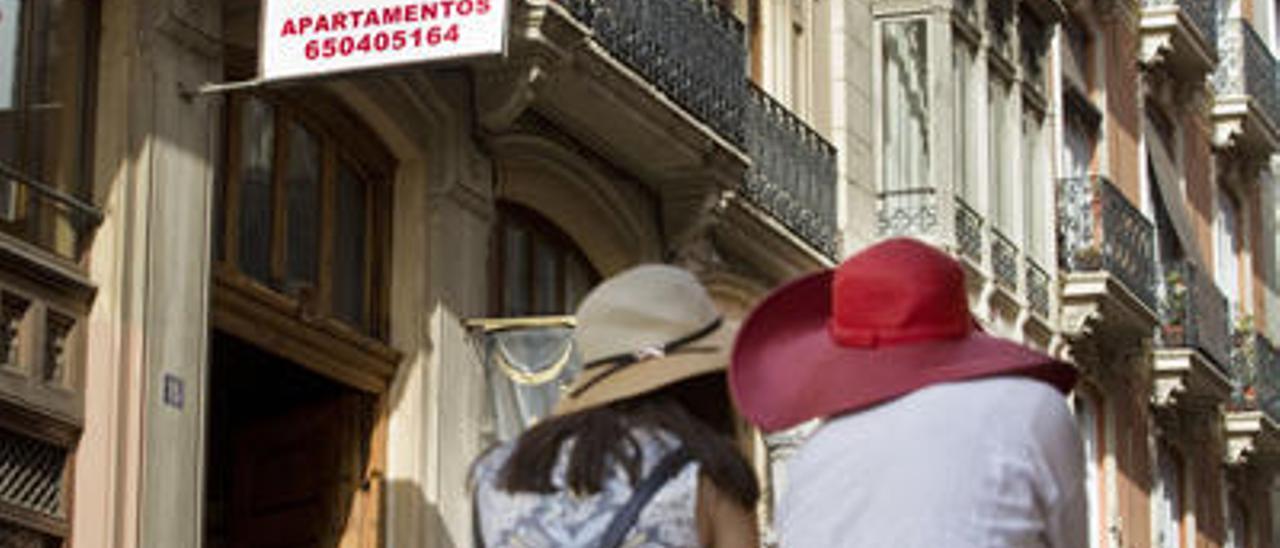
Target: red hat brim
786	369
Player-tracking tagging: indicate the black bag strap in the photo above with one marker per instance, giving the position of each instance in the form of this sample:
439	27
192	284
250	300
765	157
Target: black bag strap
666	469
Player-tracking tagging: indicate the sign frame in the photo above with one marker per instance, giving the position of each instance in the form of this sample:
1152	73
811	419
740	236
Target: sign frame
503	7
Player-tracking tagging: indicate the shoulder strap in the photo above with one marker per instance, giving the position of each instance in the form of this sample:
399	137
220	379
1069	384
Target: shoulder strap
626	517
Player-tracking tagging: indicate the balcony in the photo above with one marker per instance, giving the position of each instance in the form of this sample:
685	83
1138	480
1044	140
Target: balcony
1253	436
1105	250
1004	261
968	232
1037	289
793	172
907	212
693	51
1247	109
1180	35
660	90
1194	345
656	88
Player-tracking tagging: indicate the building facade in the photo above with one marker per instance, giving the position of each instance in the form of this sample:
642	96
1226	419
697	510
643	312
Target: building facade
247	317
294	313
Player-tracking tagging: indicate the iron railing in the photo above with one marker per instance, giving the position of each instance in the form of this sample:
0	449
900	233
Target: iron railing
1246	67
1194	313
1099	229
693	51
44	215
907	212
1004	260
793	173
1202	14
1037	288
968	231
1255	373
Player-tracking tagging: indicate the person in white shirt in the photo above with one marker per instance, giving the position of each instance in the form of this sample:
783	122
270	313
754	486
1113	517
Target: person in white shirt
932	433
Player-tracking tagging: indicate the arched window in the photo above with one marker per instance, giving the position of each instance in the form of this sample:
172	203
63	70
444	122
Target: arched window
304	204
538	270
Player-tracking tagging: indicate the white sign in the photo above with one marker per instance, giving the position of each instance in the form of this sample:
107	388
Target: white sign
311	37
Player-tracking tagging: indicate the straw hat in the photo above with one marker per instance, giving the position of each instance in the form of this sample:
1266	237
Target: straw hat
646	328
890	320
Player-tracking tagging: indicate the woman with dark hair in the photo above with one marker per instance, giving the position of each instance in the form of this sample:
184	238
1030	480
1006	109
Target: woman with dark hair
640	450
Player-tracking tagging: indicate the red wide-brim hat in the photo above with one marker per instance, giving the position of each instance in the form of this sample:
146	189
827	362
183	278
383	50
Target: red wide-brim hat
888	321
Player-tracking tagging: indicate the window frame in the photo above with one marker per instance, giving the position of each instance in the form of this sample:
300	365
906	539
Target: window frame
344	143
509	213
38	206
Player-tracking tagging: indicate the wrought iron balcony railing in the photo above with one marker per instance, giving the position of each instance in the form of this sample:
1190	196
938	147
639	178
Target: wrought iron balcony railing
968	231
1037	288
1255	373
1246	67
1202	14
1194	314
907	212
1099	229
44	215
1004	260
793	173
691	50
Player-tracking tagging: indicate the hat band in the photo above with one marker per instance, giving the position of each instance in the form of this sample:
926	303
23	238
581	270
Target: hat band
618	362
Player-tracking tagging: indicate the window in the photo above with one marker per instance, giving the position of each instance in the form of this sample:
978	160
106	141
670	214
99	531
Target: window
46	51
1226	251
33	492
1035	193
905	129
539	270
801	76
305	211
966	122
1089	418
1237	525
998	149
1166	500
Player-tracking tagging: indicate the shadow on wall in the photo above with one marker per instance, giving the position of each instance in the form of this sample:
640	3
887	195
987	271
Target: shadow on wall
414	521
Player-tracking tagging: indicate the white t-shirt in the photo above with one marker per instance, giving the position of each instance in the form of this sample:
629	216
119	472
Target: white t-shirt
987	463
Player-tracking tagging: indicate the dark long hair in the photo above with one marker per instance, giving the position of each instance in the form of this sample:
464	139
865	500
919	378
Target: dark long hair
695	411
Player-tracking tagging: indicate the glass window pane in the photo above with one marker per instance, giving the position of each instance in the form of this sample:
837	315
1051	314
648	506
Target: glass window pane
54	104
577	282
257	140
966	122
515	271
349	253
10	61
998	154
546	277
905	112
302	191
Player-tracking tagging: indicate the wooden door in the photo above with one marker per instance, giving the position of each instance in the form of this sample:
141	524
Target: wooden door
296	478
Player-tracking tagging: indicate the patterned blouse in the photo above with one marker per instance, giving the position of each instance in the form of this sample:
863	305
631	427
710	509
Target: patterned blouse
563	519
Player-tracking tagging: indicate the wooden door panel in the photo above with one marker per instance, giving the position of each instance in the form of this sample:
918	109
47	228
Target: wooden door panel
294	476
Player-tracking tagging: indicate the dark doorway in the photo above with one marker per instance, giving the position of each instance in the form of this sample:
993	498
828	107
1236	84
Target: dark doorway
285	451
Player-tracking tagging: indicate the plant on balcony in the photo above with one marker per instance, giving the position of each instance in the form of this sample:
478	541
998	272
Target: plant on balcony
1088	257
1174	314
1244	356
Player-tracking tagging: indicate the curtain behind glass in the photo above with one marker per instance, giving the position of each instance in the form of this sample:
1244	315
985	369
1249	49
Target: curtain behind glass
905	131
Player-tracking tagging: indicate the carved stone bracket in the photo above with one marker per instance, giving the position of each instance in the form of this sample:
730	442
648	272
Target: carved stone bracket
1182	378
506	87
1253	440
1103	345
